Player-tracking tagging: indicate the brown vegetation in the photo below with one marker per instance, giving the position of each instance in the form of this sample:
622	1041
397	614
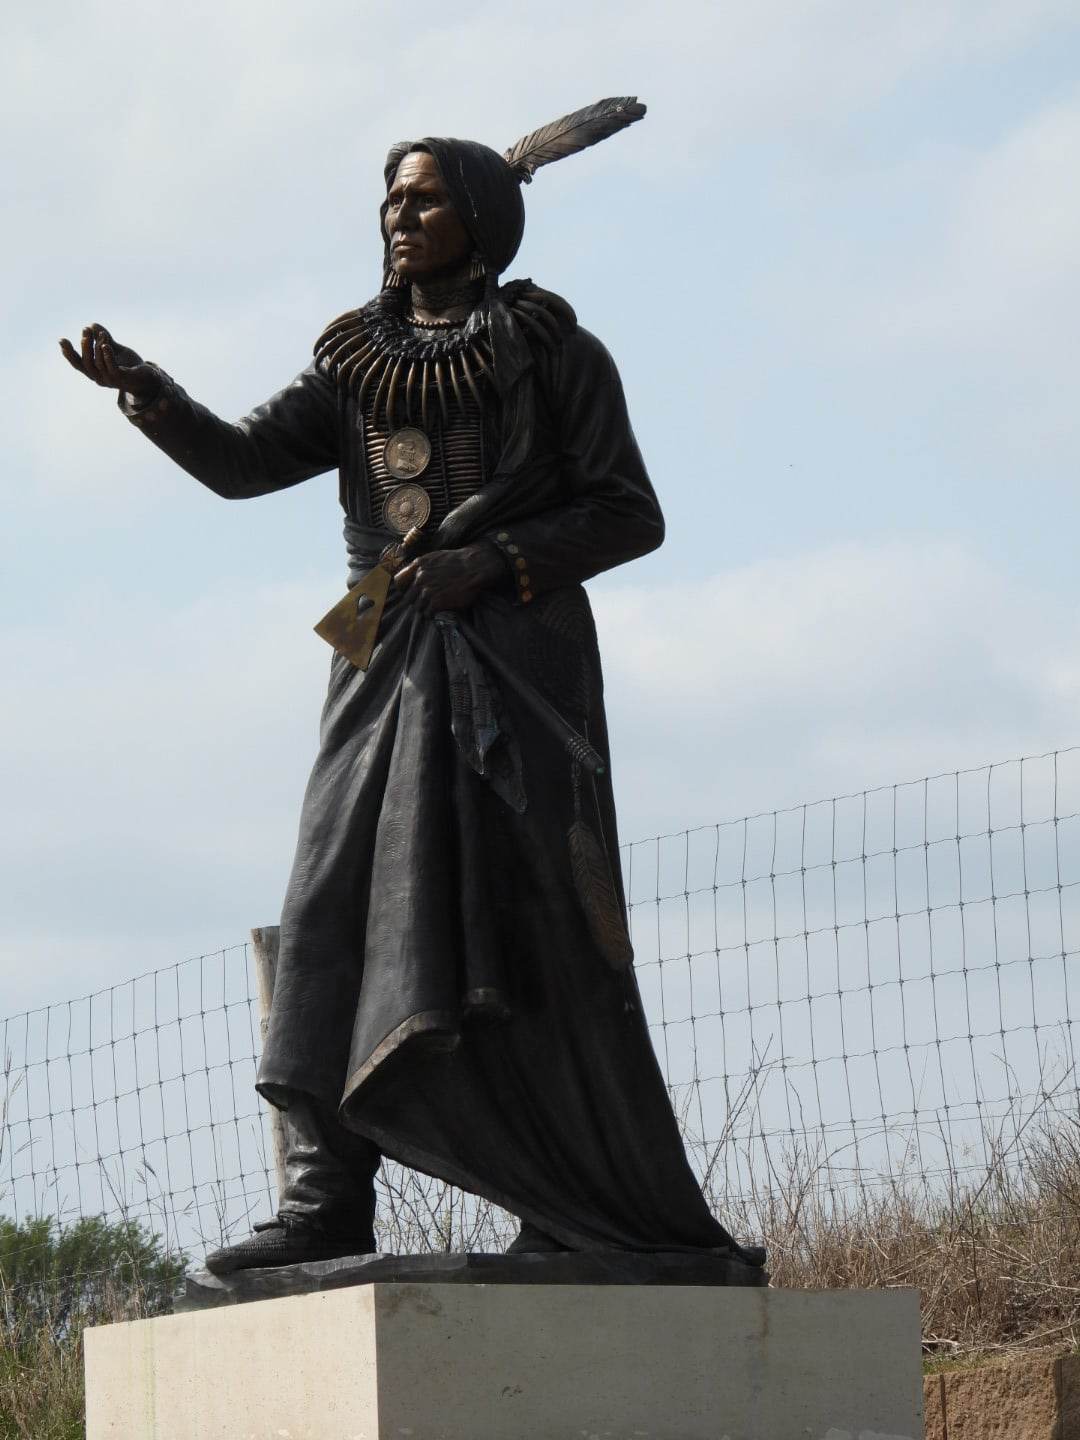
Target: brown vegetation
41	1363
996	1260
994	1251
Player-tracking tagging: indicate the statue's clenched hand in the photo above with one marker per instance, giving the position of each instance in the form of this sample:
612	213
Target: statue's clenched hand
115	366
451	579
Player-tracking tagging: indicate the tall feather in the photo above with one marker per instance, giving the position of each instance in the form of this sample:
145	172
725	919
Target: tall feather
572	133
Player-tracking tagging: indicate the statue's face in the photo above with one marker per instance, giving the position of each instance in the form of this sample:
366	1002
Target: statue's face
427	239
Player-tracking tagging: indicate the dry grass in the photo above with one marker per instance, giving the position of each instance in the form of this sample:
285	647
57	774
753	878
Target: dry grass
996	1261
996	1258
41	1364
54	1283
41	1385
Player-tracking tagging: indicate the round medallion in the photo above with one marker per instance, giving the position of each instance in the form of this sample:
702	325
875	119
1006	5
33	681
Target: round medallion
405	508
407	453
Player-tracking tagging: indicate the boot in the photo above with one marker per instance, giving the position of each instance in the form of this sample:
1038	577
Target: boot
327	1208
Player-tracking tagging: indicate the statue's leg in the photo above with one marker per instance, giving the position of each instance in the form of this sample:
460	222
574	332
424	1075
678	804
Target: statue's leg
329	1173
327	1207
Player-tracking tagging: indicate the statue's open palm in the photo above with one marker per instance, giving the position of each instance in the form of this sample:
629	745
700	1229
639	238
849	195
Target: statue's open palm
115	366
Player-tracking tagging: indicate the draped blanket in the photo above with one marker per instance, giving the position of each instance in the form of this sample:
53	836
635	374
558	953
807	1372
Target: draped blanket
453	973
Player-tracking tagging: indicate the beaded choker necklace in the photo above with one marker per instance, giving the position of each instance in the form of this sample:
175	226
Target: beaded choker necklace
443	295
434	324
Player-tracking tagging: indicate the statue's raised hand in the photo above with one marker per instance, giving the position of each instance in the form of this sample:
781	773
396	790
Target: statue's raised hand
115	366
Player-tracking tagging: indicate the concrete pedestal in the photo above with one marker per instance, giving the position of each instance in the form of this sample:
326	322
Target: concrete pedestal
508	1362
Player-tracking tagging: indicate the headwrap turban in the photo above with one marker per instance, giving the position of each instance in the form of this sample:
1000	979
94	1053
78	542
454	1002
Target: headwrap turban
486	194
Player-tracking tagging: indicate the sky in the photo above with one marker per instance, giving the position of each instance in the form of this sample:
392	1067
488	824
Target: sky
838	266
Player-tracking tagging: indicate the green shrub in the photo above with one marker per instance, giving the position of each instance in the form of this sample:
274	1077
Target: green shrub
54	1281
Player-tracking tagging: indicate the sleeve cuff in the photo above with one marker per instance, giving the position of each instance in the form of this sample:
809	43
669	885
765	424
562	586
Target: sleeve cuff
148	410
517	564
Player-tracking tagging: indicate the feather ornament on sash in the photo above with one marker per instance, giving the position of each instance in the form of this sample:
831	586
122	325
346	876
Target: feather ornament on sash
592	881
572	133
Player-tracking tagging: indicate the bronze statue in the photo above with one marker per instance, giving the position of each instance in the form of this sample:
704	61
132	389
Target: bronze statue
455	985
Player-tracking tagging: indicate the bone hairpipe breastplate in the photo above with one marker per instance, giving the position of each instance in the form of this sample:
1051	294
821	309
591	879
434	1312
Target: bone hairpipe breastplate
417	398
456	466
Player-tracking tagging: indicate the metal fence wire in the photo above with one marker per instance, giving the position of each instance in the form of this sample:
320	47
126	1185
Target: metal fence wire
884	980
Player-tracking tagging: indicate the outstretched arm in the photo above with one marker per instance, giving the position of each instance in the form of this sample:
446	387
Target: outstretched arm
293	436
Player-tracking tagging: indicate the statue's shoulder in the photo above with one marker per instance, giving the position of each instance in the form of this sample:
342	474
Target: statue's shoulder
551	325
546	318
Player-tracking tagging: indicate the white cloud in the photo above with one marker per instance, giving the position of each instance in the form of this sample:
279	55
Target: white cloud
204	179
156	760
1006	273
951	320
260	122
853	666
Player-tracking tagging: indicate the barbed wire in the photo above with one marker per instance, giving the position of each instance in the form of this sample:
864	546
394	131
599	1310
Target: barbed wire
885	978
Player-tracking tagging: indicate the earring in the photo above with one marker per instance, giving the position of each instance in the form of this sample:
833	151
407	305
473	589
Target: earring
476	267
393	281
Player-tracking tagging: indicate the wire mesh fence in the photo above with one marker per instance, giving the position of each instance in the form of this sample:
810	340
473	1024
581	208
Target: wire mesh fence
138	1101
885	980
887	977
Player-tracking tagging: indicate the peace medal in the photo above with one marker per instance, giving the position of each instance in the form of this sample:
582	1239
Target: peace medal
407	507
407	453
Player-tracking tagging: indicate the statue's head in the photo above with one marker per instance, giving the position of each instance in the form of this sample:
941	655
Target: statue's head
449	202
452	201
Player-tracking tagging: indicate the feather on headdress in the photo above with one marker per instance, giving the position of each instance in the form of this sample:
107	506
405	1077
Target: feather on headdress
572	133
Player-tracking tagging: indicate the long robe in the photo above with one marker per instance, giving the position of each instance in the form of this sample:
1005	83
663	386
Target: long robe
448	982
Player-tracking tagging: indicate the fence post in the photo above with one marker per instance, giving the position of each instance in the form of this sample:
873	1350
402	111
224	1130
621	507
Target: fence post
264	943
